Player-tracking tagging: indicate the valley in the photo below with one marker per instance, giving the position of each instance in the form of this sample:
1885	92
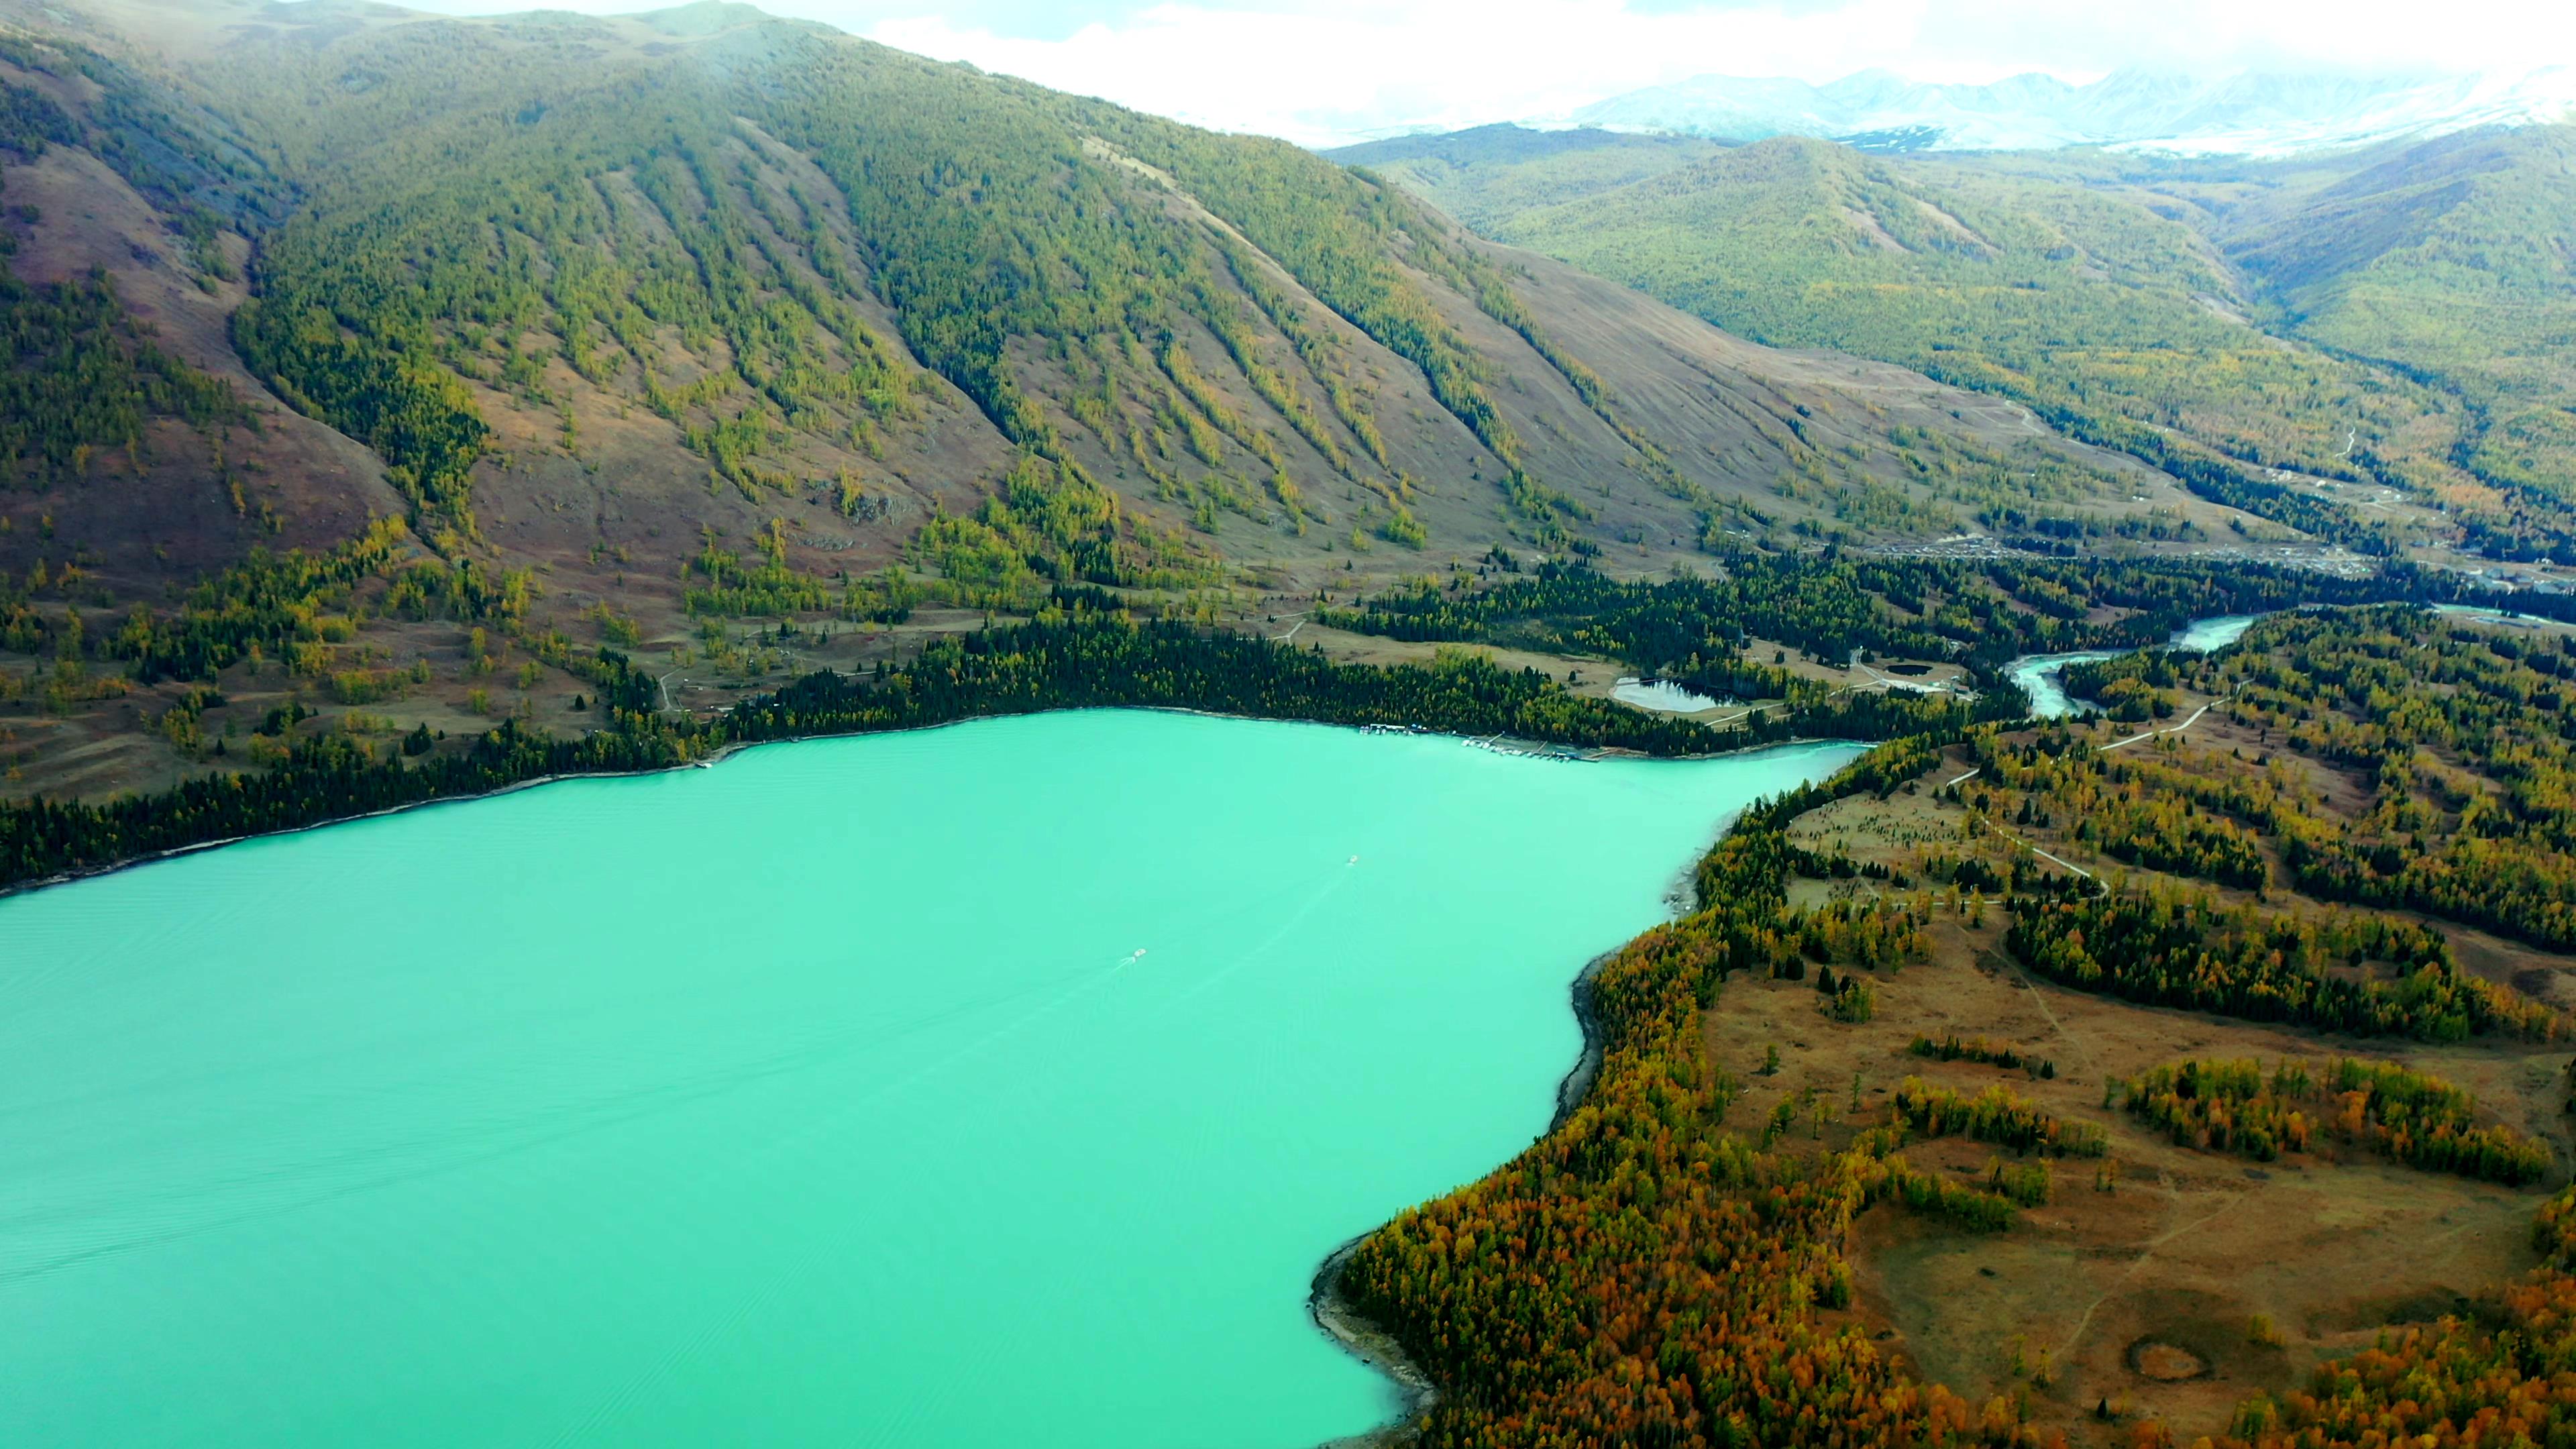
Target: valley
2344	343
657	383
2097	619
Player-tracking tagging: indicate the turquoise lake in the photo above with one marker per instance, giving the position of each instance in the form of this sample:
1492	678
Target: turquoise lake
817	1098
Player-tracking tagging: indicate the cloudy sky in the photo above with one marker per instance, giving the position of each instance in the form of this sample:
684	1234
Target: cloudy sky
1321	71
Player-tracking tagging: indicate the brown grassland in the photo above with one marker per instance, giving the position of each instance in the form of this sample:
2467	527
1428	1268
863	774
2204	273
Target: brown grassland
2163	1283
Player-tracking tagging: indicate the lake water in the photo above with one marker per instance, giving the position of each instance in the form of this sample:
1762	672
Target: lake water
1661	695
1001	1084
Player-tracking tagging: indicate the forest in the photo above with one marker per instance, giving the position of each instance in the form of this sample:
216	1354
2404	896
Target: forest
2382	1107
77	373
1692	628
1089	651
1086	648
2448	261
1652	1273
2458	733
1655	1273
83	377
2183	948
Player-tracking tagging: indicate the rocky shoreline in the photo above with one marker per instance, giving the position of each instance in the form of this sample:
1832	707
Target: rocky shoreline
1366	1341
1373	1346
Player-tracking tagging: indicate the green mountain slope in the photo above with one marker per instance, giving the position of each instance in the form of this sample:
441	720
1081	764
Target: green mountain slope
1488	175
2445	261
2386	327
738	341
2080	301
2457	257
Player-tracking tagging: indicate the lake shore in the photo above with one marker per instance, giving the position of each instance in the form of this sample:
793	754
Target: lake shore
720	754
1364	1340
1371	1345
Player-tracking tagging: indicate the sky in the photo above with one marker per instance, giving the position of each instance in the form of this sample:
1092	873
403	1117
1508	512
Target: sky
1322	72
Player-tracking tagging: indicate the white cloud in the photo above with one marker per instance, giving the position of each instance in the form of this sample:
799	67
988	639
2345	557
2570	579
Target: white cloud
1320	71
1332	70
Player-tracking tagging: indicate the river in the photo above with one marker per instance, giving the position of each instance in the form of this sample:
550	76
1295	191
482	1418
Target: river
2038	674
1662	696
997	1084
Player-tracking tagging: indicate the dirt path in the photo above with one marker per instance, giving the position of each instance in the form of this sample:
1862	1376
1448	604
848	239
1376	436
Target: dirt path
2174	729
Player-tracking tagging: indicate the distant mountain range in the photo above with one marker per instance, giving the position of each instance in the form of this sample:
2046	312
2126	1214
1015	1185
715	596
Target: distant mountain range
2253	113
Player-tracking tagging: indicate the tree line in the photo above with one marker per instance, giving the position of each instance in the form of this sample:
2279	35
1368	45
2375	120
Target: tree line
2462	736
2170	946
1831	605
1089	654
2382	1107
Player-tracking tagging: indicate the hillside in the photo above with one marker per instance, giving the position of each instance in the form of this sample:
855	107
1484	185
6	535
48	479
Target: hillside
2443	260
2148	303
2453	256
738	344
1487	176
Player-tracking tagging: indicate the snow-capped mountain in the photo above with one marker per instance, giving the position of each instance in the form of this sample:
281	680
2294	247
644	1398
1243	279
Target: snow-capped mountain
2253	113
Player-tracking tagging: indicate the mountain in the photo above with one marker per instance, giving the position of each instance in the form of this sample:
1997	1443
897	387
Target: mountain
2252	113
2380	320
1486	175
2053	292
2454	258
368	361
